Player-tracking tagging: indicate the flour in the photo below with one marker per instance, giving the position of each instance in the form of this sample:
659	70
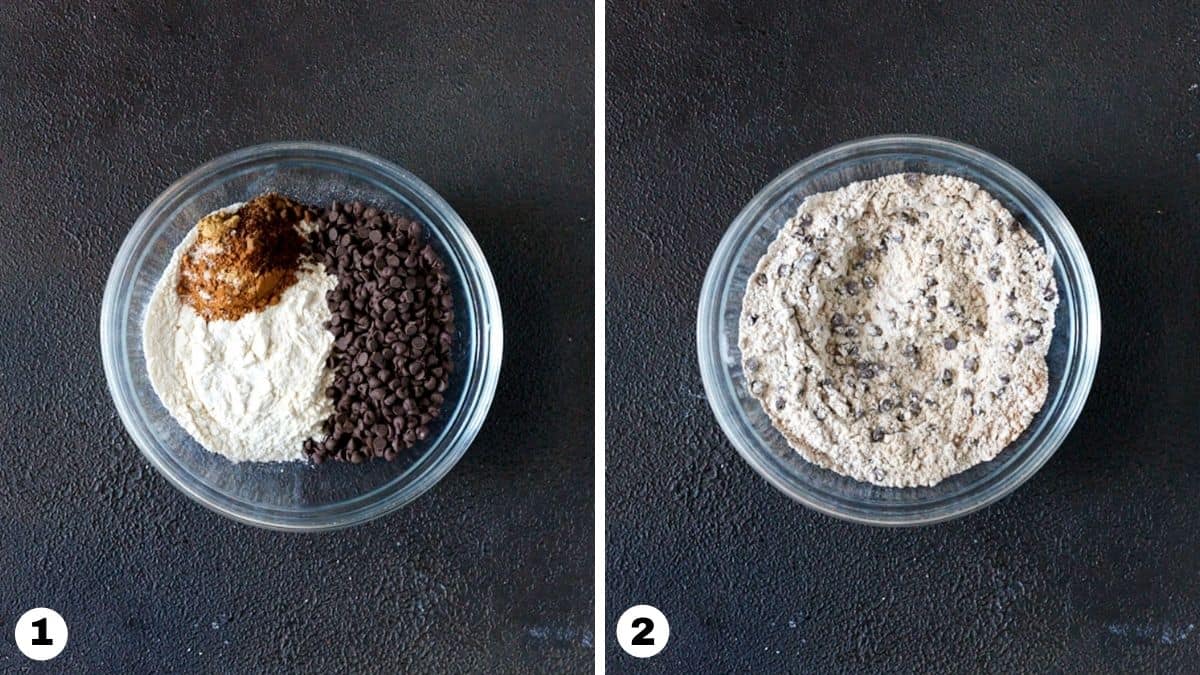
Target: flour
896	330
251	389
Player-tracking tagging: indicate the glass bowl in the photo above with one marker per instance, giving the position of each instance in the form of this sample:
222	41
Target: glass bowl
298	495
1072	357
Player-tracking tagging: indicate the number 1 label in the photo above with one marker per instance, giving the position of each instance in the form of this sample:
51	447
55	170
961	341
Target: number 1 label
41	634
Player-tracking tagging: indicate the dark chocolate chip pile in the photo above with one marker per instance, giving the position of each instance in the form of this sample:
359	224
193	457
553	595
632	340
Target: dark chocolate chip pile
393	326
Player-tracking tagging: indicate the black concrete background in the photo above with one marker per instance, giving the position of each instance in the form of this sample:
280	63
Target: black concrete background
102	105
1092	566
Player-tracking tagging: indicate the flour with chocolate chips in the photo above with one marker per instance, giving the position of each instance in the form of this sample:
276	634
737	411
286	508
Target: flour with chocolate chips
896	330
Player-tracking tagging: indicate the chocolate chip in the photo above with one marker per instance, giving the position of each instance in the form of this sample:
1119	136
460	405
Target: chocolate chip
837	320
949	343
389	381
876	435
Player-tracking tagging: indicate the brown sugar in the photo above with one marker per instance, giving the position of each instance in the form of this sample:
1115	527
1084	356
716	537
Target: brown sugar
243	261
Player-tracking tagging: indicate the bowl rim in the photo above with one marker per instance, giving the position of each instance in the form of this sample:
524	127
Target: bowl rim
722	265
486	358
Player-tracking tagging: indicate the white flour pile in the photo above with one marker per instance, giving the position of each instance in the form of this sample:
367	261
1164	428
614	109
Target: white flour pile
896	330
251	389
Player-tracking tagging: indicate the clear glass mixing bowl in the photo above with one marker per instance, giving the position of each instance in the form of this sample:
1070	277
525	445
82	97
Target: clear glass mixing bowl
1072	358
298	495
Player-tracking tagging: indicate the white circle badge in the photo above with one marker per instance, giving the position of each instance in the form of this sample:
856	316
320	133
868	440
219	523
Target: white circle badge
41	634
643	631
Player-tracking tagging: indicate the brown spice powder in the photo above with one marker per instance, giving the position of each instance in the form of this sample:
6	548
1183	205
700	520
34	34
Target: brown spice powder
242	262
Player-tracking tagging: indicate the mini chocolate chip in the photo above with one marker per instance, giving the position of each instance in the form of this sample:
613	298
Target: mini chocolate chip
949	343
876	435
388	381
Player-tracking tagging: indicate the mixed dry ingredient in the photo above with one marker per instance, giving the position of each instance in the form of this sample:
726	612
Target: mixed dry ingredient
280	330
896	330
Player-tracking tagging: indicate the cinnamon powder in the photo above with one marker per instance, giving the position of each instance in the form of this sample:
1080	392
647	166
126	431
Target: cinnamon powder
243	261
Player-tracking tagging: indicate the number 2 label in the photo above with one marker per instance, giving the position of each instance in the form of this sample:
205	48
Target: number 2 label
643	631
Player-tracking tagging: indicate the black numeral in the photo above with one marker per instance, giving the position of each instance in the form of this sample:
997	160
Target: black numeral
41	640
642	638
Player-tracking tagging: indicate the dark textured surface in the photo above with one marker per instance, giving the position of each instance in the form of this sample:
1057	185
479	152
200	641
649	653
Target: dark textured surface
101	107
1092	566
